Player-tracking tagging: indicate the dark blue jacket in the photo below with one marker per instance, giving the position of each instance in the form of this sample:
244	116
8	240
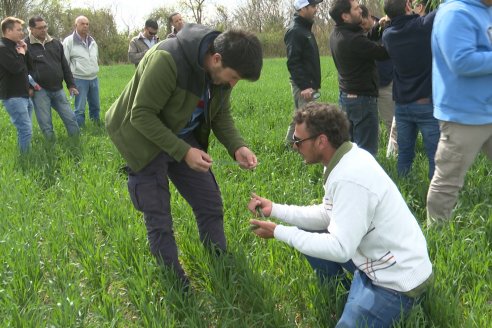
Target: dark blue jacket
385	70
385	67
408	42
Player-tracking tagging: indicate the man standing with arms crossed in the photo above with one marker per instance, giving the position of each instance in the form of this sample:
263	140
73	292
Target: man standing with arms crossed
302	57
161	124
14	85
82	55
354	56
462	91
49	69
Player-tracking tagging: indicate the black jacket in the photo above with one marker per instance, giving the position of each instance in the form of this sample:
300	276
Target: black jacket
50	66
14	80
354	56
302	54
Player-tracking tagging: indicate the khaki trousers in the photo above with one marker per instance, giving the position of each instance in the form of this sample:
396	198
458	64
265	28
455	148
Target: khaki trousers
458	147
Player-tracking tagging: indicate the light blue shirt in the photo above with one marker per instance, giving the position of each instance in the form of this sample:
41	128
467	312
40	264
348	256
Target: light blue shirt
462	62
148	42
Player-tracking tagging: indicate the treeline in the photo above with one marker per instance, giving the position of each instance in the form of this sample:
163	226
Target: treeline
267	18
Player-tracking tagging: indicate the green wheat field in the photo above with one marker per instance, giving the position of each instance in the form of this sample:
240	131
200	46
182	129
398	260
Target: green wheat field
74	252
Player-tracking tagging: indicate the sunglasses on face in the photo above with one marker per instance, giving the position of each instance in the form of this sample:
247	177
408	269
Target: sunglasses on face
297	141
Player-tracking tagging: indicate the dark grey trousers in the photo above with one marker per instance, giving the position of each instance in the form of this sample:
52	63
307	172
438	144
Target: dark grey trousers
149	191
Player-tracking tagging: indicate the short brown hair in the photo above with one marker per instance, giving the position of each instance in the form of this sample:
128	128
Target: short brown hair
325	119
9	22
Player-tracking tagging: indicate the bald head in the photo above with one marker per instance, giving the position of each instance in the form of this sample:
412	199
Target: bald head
82	26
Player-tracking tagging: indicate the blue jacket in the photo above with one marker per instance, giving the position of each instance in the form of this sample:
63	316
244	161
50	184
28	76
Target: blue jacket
407	40
462	62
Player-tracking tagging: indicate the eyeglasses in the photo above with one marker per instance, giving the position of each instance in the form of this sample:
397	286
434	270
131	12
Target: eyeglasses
296	141
45	27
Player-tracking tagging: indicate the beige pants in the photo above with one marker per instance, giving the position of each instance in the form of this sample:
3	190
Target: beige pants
458	147
299	102
386	108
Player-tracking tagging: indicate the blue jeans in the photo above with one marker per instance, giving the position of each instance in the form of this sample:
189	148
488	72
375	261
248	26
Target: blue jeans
20	111
362	112
88	92
326	270
411	118
367	304
43	101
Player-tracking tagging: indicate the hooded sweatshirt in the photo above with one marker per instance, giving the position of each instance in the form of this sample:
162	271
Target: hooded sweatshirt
462	62
407	40
160	100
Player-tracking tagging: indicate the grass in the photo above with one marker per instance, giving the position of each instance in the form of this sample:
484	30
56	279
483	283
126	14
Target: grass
74	251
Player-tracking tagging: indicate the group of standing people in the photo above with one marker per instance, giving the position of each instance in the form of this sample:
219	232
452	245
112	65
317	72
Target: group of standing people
32	72
393	67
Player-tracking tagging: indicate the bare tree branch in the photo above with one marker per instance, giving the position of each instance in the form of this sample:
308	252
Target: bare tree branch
196	7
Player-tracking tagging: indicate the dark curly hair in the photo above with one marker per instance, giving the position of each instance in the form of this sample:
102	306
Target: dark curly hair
324	119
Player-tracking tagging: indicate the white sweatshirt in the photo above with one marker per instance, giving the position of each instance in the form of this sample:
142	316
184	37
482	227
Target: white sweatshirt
368	221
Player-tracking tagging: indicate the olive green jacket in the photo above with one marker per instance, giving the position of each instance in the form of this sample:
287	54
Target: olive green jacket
159	101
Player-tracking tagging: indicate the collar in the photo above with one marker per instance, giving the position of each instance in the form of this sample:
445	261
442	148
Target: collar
204	45
339	153
303	21
350	27
33	39
8	42
77	37
403	19
142	36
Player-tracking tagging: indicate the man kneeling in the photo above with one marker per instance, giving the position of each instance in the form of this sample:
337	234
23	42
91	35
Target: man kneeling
363	224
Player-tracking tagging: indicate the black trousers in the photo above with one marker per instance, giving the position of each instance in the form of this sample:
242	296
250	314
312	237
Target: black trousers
149	191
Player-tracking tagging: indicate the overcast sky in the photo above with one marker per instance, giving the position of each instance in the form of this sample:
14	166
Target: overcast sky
134	12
